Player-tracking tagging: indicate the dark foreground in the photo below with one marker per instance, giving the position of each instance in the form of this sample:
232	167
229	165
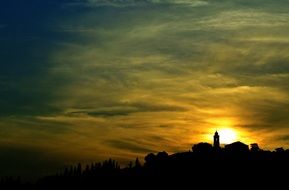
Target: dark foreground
201	168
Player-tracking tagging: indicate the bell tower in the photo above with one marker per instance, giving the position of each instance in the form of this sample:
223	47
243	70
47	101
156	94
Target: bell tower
216	140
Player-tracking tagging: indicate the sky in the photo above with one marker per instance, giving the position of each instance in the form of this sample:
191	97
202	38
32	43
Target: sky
87	80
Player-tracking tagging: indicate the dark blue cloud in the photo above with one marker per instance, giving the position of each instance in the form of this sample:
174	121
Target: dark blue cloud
27	38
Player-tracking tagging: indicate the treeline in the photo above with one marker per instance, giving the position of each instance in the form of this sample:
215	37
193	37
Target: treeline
108	166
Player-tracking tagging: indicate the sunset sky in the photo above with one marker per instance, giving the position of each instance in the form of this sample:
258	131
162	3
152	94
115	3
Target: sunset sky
86	80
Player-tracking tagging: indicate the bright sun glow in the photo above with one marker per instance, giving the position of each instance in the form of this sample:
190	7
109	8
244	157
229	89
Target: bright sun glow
227	136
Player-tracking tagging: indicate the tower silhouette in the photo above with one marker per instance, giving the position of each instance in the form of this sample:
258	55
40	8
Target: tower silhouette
216	140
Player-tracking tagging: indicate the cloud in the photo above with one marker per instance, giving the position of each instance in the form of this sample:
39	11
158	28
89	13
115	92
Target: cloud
236	19
284	138
199	60
121	3
124	108
129	146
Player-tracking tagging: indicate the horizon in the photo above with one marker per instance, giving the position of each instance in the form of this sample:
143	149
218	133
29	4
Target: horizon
60	172
87	80
34	177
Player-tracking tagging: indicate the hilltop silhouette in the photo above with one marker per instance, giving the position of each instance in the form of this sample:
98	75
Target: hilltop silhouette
205	165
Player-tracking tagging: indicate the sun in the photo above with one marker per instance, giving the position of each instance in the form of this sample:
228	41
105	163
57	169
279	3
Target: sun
227	136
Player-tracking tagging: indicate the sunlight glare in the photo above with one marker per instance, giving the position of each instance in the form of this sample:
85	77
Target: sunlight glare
227	136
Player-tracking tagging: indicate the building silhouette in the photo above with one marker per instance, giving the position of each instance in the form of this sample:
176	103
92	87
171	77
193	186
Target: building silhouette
216	140
237	148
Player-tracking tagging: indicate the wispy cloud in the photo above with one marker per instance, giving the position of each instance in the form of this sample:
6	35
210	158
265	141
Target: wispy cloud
120	78
122	3
196	61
